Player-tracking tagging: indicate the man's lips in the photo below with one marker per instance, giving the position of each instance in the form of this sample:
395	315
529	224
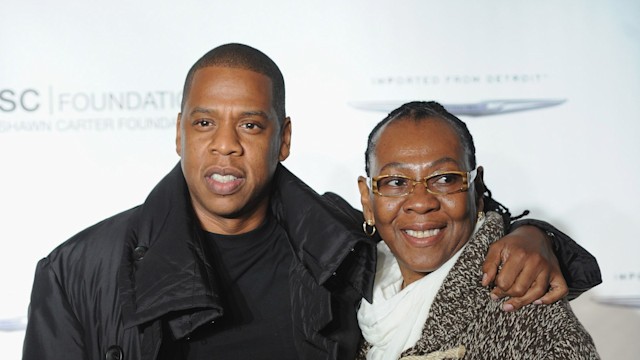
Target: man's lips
224	181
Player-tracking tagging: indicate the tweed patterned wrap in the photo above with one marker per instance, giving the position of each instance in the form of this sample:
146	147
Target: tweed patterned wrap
464	316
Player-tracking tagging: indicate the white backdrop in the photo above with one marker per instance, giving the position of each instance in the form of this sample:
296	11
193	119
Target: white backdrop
89	92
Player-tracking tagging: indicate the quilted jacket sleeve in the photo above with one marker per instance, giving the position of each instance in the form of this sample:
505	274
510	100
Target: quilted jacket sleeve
53	331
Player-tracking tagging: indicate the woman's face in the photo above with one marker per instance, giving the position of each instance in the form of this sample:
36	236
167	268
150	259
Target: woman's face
422	230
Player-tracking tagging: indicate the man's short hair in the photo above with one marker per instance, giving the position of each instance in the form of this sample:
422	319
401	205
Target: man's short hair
242	57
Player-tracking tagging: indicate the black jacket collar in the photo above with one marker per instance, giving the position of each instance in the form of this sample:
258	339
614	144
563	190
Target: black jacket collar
323	230
173	277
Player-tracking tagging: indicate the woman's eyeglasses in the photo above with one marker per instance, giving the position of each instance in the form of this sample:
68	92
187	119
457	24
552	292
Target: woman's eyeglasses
444	183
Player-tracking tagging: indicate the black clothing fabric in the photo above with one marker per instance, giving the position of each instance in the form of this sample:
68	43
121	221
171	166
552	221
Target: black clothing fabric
253	269
118	288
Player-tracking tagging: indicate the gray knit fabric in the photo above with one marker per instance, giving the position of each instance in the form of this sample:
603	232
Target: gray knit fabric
463	315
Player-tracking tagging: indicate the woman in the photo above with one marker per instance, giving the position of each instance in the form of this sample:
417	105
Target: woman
424	196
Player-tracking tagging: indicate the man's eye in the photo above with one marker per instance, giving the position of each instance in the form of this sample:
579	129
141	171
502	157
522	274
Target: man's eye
251	126
203	122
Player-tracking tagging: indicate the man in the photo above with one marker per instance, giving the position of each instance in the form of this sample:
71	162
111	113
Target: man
231	256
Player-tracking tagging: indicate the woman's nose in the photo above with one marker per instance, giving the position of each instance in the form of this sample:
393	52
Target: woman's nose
420	200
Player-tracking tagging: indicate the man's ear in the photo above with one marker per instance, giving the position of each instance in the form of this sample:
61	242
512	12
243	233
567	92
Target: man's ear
179	135
365	199
285	139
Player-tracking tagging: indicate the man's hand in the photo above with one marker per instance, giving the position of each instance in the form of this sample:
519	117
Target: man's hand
526	268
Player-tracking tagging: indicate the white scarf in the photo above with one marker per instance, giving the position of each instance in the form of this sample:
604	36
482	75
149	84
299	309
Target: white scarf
394	321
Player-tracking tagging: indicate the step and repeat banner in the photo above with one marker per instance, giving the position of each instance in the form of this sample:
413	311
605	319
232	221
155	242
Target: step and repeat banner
89	93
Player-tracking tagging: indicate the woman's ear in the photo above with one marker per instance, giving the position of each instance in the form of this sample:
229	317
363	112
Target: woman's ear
365	198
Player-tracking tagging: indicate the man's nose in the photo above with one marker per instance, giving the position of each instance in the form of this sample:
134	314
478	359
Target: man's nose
226	140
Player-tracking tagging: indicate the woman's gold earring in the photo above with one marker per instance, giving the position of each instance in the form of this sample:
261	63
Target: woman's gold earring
480	215
369	228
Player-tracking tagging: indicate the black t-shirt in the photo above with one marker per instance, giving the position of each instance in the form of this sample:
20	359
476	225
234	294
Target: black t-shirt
253	270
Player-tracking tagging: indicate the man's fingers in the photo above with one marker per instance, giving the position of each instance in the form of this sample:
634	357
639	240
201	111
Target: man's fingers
553	295
524	270
521	280
557	290
537	289
490	267
507	275
518	278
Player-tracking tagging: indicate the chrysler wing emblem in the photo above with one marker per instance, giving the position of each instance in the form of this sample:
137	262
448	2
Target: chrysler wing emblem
482	108
13	324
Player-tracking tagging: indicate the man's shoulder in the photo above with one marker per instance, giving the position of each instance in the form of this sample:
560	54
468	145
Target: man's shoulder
340	204
103	239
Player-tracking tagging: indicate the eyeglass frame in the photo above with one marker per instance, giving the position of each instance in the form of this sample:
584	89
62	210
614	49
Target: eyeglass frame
467	178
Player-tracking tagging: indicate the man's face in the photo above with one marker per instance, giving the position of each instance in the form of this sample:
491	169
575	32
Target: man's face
230	142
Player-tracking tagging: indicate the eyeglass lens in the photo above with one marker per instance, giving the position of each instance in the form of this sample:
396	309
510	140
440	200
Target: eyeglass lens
439	184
